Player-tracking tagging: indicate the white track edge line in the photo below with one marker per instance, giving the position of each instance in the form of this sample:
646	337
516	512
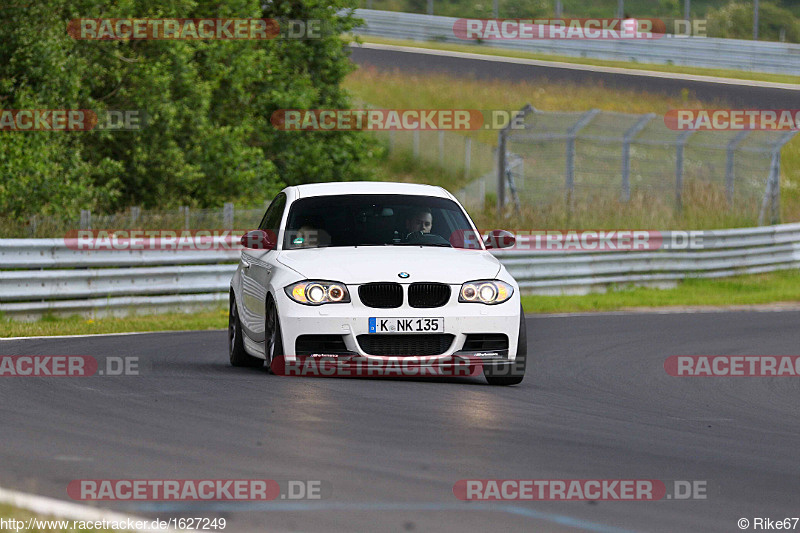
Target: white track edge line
121	334
72	511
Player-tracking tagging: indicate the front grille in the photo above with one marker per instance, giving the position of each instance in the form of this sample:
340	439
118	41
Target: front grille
401	345
428	294
381	295
482	342
328	344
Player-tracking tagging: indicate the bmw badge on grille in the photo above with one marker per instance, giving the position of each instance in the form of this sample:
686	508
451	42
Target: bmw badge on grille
404	275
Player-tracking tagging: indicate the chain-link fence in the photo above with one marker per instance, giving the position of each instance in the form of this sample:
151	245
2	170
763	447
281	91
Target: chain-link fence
585	157
225	217
555	158
462	157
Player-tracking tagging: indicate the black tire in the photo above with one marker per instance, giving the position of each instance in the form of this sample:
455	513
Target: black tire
511	373
273	340
238	356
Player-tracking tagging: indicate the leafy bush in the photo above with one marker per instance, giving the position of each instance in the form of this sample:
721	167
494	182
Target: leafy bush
735	21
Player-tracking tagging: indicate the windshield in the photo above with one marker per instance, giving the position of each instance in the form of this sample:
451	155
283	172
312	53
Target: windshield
377	220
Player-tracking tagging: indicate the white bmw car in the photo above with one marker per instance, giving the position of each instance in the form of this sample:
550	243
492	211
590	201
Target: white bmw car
361	271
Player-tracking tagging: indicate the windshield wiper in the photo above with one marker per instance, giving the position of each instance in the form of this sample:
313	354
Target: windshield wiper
440	244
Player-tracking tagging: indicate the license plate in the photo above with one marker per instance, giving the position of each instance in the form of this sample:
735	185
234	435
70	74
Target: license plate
406	325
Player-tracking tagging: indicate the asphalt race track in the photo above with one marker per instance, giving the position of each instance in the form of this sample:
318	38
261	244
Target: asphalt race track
742	93
596	404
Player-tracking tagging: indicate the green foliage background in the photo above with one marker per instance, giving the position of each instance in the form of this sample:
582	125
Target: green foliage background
208	138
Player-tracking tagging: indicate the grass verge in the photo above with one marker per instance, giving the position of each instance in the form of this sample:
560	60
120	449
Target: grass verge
77	325
503	52
52	525
750	289
738	290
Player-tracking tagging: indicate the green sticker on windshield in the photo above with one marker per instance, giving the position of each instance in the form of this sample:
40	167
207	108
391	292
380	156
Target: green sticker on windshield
298	240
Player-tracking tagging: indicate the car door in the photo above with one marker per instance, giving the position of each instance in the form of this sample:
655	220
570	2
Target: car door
257	266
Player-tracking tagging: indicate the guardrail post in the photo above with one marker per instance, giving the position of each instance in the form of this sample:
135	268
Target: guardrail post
730	172
680	143
227	215
626	153
86	219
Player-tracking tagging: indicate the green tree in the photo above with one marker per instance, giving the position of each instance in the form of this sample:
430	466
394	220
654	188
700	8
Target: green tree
207	137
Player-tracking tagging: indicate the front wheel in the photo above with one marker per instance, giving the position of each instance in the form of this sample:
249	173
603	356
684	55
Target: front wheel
511	373
274	340
236	352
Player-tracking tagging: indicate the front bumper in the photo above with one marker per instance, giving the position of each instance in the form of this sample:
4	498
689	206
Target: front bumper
350	320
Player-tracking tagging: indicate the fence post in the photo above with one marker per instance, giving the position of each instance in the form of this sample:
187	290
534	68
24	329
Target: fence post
430	7
467	155
776	191
572	134
34	224
679	145
227	215
441	148
730	171
512	186
415	137
135	213
501	171
185	211
776	186
86	219
391	141
769	194
502	137
626	153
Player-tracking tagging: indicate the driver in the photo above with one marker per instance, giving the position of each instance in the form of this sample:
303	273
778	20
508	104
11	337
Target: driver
419	221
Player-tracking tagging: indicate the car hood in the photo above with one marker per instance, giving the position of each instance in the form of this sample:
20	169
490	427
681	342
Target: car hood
364	264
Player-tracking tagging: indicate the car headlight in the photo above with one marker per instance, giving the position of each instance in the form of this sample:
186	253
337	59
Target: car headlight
311	292
485	292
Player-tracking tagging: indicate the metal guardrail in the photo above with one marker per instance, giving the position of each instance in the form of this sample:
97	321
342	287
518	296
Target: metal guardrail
44	275
758	56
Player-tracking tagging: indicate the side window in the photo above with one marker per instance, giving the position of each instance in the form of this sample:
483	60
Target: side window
272	218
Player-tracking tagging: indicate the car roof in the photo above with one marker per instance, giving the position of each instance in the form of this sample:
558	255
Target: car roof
368	187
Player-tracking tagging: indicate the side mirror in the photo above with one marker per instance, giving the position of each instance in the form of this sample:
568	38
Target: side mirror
500	238
258	239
